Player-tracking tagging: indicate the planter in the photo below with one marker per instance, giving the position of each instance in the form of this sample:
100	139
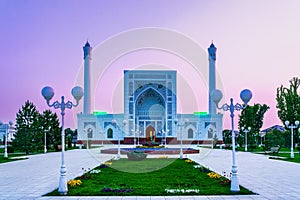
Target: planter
151	144
136	155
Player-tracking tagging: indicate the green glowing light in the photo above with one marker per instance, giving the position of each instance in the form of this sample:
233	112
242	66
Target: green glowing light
99	113
200	113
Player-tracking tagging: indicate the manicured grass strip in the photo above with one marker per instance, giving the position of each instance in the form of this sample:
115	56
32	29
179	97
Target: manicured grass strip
286	157
169	174
11	157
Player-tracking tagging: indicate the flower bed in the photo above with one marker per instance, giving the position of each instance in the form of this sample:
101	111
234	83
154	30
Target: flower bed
74	183
171	177
150	144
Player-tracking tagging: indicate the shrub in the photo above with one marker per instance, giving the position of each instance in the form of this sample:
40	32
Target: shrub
151	144
10	149
136	155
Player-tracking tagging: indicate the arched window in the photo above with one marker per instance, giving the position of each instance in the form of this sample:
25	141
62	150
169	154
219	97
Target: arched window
110	133
190	133
210	132
130	89
170	89
90	133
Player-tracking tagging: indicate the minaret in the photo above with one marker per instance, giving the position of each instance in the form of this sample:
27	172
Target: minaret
212	77
87	50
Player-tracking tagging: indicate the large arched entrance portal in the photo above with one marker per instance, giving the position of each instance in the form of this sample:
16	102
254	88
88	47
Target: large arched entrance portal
150	113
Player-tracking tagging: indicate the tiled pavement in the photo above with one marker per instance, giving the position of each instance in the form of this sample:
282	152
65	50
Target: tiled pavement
38	175
271	179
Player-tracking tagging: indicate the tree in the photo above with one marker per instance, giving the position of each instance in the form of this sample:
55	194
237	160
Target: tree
227	138
251	116
31	127
276	138
26	127
49	123
288	103
69	136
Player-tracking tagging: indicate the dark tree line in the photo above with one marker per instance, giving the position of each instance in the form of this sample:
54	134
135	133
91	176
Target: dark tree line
288	103
251	116
31	127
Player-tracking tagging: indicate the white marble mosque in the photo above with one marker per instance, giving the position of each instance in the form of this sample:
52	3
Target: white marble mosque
150	110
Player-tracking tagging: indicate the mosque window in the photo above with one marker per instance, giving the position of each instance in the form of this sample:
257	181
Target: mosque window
109	133
130	88
170	89
130	108
190	133
90	133
169	108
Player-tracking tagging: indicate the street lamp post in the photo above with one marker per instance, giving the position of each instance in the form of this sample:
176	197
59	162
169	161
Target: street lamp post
87	139
114	122
48	94
245	95
198	136
10	123
139	133
246	131
292	135
118	128
167	131
102	136
165	134
134	139
124	124
160	133
45	140
181	124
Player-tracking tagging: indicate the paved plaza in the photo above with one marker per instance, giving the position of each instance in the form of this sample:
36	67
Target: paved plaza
38	175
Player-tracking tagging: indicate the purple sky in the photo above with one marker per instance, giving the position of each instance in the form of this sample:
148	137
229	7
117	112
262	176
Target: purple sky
258	46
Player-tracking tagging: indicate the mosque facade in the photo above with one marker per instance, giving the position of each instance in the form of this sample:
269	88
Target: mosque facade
150	111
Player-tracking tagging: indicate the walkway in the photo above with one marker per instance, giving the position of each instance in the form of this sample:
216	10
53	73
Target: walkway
38	175
272	179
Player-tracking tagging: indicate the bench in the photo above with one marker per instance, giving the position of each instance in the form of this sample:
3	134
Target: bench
273	150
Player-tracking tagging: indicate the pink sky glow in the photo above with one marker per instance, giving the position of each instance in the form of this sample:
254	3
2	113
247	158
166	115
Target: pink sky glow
258	48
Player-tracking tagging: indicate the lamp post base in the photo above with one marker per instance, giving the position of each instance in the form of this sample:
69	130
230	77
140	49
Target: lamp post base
63	186
5	153
119	153
234	187
181	154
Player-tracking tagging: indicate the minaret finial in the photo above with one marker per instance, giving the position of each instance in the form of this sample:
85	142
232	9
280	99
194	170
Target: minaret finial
87	44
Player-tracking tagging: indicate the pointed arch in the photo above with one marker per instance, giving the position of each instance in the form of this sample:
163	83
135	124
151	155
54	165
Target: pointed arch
110	133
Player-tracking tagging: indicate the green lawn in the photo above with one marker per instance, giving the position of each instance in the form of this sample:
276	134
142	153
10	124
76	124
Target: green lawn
22	155
286	157
11	156
124	177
